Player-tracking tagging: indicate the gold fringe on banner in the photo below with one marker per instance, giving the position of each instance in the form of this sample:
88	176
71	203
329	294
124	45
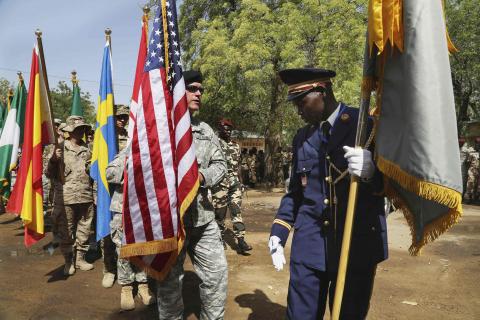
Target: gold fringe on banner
427	190
148	248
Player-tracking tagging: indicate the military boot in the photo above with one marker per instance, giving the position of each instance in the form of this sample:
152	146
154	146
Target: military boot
80	262
243	246
108	280
145	294
69	268
126	298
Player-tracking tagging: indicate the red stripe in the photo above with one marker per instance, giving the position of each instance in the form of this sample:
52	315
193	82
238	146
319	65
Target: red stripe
142	53
187	183
180	110
159	181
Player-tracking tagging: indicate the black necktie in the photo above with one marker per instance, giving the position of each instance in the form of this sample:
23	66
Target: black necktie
325	127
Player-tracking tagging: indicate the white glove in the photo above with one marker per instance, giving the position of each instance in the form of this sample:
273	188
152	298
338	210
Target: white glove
276	251
359	162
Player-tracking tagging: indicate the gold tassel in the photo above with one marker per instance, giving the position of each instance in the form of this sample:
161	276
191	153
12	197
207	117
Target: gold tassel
148	248
427	190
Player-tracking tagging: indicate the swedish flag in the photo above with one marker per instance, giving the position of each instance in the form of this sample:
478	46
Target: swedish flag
104	145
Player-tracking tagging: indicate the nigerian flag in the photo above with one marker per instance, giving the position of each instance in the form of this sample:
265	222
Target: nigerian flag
11	136
3	115
77	109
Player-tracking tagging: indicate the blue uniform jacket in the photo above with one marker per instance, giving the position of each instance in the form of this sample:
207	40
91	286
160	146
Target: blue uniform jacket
315	207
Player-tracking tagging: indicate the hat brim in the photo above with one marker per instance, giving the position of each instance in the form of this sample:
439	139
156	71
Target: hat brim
72	128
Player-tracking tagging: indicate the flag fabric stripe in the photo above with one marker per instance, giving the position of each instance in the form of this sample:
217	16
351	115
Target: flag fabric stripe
161	173
104	145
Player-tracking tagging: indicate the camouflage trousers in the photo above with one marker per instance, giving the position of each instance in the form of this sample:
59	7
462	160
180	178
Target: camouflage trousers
109	254
203	245
229	198
471	191
73	223
127	273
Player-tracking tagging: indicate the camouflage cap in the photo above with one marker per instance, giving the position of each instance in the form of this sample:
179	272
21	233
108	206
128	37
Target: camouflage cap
57	121
121	109
74	122
62	126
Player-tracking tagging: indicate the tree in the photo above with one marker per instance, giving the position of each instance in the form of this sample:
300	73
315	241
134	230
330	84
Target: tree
5	86
463	20
62	103
240	46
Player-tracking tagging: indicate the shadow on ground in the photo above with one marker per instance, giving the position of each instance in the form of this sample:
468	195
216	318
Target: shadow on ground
262	307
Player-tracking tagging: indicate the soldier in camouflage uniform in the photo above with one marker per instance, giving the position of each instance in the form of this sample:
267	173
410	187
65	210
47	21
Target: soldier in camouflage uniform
107	245
252	167
203	240
228	194
465	151
472	176
127	273
244	170
73	200
277	167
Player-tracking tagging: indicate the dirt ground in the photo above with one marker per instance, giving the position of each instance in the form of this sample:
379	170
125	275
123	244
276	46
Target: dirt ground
443	283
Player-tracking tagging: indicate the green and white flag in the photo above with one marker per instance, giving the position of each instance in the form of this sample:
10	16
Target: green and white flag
3	115
11	136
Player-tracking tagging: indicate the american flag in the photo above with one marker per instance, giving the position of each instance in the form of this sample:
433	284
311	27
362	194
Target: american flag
161	176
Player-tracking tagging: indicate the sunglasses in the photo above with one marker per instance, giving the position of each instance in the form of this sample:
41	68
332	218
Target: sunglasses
193	89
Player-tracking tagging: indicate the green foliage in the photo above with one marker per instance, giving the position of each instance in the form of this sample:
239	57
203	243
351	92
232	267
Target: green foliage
62	103
5	85
463	21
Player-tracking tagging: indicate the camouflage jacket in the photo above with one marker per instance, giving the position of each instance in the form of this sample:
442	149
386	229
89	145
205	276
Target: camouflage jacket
231	150
115	179
122	139
78	185
213	167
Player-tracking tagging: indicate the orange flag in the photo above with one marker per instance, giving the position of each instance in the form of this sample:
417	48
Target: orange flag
27	195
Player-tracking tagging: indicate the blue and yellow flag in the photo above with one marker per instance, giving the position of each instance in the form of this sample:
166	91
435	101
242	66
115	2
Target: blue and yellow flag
104	145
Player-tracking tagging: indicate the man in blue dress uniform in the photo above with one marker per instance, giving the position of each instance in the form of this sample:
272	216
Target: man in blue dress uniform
316	203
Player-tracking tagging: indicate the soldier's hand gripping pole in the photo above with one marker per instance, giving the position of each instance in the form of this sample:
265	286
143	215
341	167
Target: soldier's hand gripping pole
61	167
352	201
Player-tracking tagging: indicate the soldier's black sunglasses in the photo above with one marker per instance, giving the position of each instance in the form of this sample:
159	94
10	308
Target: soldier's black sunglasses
193	89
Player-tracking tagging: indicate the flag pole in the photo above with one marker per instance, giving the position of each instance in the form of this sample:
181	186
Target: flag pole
352	201
38	33
9	98
74	77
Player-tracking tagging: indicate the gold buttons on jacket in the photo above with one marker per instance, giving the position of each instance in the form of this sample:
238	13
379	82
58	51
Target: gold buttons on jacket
328	179
326	223
326	202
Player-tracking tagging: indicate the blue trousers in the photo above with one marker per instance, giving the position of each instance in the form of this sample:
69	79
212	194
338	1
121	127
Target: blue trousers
309	288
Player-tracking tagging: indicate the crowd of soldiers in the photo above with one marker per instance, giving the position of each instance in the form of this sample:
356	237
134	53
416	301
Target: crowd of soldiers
253	167
470	160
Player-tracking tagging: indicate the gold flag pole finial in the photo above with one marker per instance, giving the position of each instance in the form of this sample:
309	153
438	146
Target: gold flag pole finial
20	76
108	33
146	10
74	77
38	32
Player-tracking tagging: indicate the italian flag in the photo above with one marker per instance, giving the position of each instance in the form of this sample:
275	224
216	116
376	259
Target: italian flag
12	135
27	195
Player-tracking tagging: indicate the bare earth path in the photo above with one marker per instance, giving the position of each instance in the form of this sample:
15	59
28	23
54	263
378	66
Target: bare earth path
444	283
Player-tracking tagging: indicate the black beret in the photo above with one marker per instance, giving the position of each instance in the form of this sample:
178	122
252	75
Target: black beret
191	76
305	80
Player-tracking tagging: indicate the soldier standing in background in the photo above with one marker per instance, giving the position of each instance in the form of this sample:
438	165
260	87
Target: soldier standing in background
109	248
127	273
465	151
252	170
277	167
261	166
244	171
228	194
73	201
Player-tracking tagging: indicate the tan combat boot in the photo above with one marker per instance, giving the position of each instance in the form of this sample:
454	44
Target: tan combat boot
69	268
145	294
126	298
80	262
108	280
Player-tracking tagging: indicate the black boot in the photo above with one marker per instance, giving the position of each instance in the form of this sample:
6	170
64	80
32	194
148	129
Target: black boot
243	246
